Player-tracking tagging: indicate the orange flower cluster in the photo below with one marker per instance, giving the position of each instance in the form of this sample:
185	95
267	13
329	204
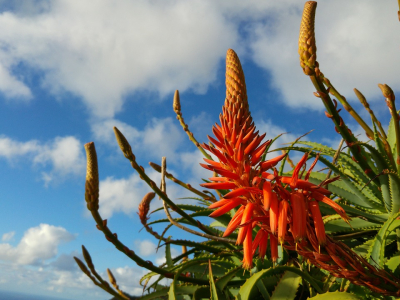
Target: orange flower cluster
285	209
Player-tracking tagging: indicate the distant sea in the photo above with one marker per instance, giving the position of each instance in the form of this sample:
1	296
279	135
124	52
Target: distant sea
5	295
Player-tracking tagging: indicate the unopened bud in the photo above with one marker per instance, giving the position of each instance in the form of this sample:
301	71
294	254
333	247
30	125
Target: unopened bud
177	103
387	91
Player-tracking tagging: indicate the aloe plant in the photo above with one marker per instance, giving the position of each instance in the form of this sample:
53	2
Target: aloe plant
287	235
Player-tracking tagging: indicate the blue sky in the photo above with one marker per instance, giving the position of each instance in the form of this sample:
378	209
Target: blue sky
71	70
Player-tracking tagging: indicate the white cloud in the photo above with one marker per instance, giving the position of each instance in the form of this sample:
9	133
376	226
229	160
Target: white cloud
8	236
160	137
36	246
146	247
63	154
106	51
103	52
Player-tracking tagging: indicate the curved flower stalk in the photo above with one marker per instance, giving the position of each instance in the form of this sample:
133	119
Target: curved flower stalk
285	208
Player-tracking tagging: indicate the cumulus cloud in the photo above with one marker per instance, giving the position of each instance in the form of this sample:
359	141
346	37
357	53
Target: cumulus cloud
103	52
124	194
106	51
36	246
63	154
8	236
160	137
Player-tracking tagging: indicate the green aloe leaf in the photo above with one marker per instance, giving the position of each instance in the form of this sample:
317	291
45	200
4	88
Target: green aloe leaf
287	287
222	282
342	190
357	224
391	138
377	252
248	288
180	290
336	296
213	289
393	264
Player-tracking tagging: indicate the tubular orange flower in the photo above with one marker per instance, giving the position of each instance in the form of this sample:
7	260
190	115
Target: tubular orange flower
282	220
247	249
247	214
296	170
234	223
340	211
299	216
267	193
273	213
273	242
318	223
260	241
227	207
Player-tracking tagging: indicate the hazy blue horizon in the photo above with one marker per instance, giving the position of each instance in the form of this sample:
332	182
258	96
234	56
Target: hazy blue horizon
11	295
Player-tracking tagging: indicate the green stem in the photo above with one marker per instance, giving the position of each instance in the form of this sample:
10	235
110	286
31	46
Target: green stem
142	263
349	108
349	138
181	183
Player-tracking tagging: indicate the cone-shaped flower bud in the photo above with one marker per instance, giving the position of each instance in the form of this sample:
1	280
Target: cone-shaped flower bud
307	46
387	91
123	144
177	103
144	207
92	178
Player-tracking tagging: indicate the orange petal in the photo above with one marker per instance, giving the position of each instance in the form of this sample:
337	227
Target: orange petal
271	162
215	142
304	185
247	249
219	185
340	211
227	207
318	223
213	163
273	213
267	193
296	170
247	214
226	173
282	220
299	216
273	242
254	144
234	223
256	156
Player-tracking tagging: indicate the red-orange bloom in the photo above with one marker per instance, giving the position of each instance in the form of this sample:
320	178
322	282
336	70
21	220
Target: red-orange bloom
318	223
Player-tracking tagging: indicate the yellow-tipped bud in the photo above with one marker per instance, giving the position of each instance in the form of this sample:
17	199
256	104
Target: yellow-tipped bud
235	82
123	144
177	103
92	178
87	258
111	277
387	91
307	46
361	97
